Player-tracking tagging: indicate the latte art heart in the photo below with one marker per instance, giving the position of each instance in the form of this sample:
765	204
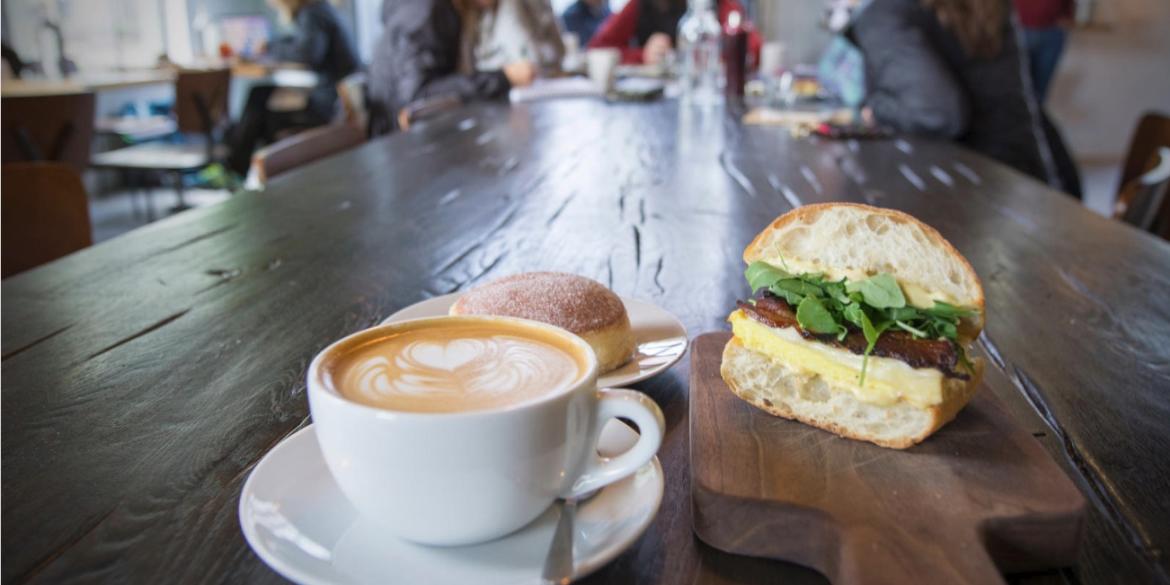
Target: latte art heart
422	373
442	356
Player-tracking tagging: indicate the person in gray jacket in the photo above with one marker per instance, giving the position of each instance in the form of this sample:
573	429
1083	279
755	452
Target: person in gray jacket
952	69
461	49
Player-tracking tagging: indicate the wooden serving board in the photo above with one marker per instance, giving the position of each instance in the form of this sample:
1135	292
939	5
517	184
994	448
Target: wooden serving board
979	497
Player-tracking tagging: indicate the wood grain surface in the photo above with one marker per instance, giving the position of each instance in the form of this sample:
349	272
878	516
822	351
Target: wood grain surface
145	376
979	496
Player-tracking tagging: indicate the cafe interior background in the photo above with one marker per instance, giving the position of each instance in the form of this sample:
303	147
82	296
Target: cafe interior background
1113	71
1077	301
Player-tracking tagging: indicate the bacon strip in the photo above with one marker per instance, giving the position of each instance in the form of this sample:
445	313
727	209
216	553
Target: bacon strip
939	354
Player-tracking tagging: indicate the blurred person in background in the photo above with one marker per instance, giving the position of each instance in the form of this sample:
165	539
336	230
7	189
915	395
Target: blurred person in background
1045	24
646	30
583	17
841	68
463	49
13	64
323	45
951	69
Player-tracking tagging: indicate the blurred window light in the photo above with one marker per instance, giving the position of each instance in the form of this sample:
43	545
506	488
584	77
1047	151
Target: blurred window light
98	34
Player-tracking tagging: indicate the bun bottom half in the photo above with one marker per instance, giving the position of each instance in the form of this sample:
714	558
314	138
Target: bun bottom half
772	385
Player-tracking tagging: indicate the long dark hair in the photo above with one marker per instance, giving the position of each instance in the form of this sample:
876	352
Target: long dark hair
979	24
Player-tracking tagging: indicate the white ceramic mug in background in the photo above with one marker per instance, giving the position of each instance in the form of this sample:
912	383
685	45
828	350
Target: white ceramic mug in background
602	65
772	59
455	478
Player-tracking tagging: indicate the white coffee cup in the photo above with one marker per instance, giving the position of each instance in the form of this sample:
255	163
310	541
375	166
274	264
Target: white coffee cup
455	478
602	66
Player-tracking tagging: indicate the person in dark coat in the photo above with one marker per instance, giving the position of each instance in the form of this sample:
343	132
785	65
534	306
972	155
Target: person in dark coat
430	49
323	45
951	69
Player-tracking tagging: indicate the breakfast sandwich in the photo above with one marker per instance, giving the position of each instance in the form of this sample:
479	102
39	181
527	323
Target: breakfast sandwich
860	323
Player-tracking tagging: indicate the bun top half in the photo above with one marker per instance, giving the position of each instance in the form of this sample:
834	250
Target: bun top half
849	240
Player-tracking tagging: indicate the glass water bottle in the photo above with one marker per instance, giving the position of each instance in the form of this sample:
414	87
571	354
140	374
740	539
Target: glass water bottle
698	45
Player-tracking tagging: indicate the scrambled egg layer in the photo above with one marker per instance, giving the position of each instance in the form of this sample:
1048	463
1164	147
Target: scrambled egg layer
886	380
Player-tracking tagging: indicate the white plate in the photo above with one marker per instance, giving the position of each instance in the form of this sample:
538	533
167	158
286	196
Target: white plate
661	337
297	520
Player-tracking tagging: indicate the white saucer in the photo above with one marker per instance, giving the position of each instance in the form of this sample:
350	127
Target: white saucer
299	523
661	337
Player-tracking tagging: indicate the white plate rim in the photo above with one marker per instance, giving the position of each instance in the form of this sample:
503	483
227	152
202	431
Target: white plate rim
277	564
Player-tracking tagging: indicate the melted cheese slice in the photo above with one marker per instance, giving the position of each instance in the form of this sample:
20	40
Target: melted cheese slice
887	380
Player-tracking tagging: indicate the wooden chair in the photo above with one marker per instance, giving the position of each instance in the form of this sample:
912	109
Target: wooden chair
1143	202
351	91
201	108
45	214
301	149
1142	192
1152	131
54	128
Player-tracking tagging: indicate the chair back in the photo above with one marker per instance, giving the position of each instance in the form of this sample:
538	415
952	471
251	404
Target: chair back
352	93
54	128
301	149
45	214
1143	202
1141	197
1152	131
201	100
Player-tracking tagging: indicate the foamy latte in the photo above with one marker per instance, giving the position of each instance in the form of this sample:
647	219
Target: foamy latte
457	430
457	366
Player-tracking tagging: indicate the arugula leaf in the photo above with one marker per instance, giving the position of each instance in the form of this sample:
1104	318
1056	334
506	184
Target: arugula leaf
836	291
947	330
857	315
813	316
903	314
880	291
798	286
947	310
761	275
792	298
912	330
872	333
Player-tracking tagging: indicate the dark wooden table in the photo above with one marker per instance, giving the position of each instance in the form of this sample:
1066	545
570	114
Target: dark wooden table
144	377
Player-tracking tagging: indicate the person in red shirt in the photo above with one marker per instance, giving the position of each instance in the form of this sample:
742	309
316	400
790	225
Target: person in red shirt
645	30
1045	23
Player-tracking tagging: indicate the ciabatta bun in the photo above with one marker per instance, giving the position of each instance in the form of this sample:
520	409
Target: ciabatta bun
845	240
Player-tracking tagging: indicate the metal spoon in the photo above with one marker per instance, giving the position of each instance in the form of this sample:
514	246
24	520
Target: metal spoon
558	564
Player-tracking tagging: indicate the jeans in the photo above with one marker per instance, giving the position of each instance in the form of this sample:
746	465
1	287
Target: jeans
1044	48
